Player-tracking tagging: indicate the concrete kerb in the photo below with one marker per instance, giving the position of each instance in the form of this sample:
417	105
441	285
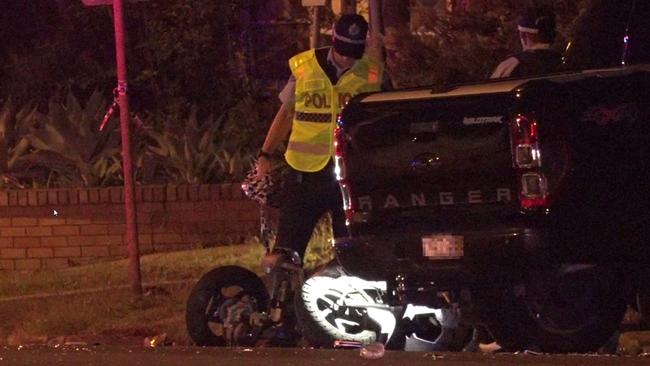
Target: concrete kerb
89	291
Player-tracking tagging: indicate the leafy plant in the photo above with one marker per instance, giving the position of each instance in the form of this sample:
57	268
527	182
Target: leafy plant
66	140
183	148
186	151
14	172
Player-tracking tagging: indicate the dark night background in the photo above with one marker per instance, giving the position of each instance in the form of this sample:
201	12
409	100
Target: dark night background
178	52
199	70
209	71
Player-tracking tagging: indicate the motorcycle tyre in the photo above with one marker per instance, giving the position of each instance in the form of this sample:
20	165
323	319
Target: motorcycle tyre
312	331
209	284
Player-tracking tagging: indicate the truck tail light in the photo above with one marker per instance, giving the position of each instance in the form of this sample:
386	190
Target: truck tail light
527	162
340	169
340	143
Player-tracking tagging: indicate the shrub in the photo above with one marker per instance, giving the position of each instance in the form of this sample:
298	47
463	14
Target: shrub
186	150
13	144
66	140
62	145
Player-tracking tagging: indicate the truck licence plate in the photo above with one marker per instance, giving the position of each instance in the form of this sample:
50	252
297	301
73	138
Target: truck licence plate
442	246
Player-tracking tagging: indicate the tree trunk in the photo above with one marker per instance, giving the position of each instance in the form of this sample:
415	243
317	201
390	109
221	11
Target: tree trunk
395	13
344	6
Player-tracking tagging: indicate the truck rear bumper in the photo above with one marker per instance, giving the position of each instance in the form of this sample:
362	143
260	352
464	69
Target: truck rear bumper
381	257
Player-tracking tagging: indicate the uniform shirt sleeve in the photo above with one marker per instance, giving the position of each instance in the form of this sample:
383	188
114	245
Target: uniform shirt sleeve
505	68
288	93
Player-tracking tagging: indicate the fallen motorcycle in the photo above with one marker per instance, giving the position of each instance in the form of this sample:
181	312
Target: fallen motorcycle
233	306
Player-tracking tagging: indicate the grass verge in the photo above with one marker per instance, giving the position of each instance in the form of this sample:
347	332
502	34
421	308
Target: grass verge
95	301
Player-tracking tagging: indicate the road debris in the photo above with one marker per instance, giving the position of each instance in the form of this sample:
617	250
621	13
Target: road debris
373	351
634	343
156	341
432	356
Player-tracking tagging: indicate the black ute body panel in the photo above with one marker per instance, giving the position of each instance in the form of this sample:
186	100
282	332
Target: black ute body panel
421	162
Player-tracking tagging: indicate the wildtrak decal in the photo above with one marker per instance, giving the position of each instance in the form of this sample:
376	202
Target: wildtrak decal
468	121
424	127
394	200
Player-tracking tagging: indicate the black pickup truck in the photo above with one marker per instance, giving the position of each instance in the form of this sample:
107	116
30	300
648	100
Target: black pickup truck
526	201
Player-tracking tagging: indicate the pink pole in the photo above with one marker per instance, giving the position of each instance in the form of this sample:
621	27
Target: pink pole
129	201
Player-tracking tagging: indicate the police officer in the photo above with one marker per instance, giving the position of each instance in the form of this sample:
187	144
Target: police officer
537	32
321	81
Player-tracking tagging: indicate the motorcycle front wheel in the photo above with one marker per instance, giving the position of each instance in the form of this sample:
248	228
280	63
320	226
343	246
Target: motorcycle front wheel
220	304
323	320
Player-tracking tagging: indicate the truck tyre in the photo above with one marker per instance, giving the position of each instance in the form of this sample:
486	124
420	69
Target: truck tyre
209	299
643	298
575	310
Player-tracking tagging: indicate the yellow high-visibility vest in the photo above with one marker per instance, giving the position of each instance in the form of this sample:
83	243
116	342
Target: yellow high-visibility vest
318	104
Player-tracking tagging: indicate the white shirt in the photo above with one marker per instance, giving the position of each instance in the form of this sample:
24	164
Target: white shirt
505	68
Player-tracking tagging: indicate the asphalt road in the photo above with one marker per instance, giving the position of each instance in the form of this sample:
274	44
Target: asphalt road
188	356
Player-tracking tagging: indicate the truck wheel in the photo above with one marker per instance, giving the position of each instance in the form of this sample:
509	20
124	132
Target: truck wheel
643	298
322	321
574	310
208	319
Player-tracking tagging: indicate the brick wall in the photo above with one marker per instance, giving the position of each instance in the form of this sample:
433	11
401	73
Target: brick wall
66	227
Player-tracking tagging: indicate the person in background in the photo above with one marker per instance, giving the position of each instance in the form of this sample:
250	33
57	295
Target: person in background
609	33
322	81
536	27
537	31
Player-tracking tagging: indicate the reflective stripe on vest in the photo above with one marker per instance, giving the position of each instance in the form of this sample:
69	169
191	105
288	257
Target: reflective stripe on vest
313	117
317	105
304	147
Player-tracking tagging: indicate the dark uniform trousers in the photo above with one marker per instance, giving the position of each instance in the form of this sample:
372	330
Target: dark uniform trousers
307	197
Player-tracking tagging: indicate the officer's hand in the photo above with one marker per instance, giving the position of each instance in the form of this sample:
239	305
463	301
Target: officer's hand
262	166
